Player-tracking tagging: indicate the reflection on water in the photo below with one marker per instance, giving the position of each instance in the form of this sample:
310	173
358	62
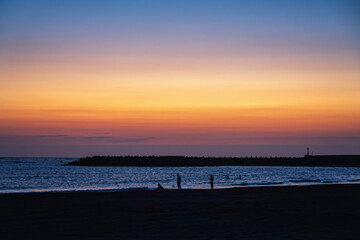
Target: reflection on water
48	174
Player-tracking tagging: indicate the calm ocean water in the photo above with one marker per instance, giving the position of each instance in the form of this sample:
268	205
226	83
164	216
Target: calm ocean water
49	174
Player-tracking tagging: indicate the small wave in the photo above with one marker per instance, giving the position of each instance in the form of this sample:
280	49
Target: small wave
20	162
31	177
354	180
269	183
29	190
158	181
241	184
305	181
111	190
135	189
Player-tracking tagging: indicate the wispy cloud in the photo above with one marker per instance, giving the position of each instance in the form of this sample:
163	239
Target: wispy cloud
132	140
61	138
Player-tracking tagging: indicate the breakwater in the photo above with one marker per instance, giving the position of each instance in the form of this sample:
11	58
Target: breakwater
183	161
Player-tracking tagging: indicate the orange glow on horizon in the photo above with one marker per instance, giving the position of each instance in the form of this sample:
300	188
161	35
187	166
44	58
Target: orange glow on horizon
181	98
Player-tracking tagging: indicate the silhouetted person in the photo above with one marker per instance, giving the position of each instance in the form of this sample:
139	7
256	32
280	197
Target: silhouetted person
211	181
160	188
227	177
239	177
178	181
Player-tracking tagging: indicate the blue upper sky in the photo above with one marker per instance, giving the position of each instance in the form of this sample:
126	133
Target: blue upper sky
253	23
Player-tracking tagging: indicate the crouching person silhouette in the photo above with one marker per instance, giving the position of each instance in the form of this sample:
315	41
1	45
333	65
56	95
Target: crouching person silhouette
160	188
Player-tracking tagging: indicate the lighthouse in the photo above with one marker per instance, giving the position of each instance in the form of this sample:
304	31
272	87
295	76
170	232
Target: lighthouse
307	152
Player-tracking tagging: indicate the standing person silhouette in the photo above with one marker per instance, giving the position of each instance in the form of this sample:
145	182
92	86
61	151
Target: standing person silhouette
211	181
178	181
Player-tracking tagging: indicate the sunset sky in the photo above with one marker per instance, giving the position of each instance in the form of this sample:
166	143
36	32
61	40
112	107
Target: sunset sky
206	78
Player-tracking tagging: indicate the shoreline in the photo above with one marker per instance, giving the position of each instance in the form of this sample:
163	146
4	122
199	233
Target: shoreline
328	211
114	190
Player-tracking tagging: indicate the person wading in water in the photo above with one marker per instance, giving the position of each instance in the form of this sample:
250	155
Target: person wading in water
211	181
178	181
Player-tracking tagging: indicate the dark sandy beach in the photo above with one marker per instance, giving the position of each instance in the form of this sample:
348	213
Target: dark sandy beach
311	212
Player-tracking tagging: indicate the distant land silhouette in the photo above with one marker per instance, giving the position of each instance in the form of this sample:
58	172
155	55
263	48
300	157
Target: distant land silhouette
183	161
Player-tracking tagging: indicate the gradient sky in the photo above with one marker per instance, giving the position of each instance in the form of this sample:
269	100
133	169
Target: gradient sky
218	78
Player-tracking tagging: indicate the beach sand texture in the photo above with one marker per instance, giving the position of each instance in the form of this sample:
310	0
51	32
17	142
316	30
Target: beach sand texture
301	212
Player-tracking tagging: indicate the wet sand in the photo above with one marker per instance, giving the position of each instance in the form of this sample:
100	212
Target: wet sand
310	212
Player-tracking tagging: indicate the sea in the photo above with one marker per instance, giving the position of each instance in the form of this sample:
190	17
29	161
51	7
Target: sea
22	175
